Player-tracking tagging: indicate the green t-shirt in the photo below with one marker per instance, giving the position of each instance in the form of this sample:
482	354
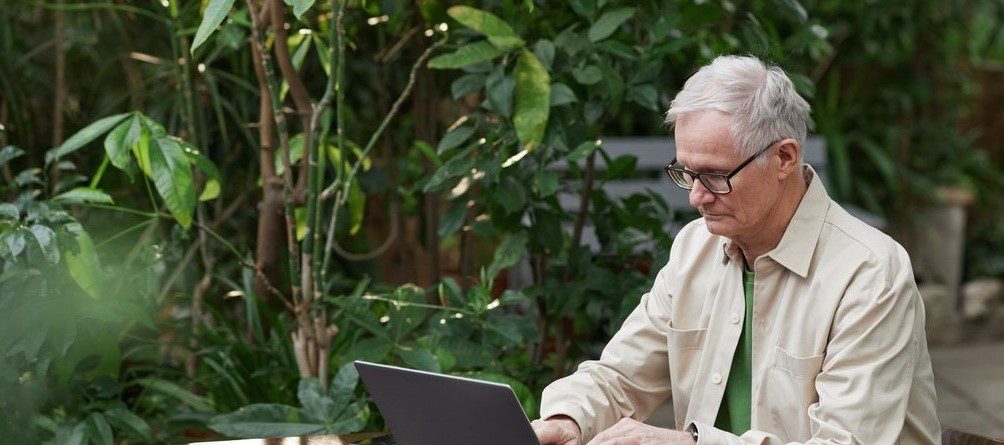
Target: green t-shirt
734	413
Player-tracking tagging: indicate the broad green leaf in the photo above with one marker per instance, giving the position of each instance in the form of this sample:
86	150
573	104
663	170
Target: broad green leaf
79	434
125	420
533	96
561	94
608	23
99	430
453	218
172	177
345	381
471	83
587	75
296	150
300	220
14	242
454	138
82	262
86	135
546	183
9	211
211	189
183	395
511	195
544	50
264	420
314	401
500	91
46	240
352	419
481	21
214	14
119	142
581	151
82	195
300	6
506	43
645	95
10	152
417	357
512	249
469	54
794	8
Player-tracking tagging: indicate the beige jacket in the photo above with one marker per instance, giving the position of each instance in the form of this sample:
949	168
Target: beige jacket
839	350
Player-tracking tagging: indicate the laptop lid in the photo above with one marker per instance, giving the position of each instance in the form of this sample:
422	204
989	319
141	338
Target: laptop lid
425	408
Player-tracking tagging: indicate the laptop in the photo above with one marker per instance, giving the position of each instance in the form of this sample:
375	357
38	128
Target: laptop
425	408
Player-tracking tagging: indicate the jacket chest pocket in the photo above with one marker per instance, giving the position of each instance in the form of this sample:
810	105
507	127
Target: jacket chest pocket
684	349
790	390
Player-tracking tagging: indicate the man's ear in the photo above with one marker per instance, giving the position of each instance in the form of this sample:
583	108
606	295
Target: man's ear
789	151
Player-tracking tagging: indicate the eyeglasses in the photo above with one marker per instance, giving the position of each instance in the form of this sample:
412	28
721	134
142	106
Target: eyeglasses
717	183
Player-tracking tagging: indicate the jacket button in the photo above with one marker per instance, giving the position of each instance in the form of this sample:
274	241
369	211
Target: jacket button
716	378
734	318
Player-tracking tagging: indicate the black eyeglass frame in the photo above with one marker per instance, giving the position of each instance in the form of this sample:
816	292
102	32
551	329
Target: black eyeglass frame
701	176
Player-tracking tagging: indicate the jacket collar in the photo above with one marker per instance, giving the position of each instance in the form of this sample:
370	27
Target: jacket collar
800	238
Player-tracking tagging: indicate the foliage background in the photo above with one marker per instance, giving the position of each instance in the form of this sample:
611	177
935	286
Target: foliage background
150	287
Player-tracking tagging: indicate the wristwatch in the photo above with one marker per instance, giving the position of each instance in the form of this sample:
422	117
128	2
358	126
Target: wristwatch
692	429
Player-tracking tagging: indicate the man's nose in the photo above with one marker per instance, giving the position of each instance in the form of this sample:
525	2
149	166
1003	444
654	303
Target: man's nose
700	195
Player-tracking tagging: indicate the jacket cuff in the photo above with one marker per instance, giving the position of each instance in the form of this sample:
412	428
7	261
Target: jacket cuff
709	435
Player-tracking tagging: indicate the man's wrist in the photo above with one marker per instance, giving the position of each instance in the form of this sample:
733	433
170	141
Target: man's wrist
567	419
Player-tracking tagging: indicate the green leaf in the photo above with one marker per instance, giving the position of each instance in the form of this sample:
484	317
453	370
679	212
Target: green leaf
171	389
481	21
352	419
79	434
453	218
10	152
356	206
511	195
469	54
211	189
418	357
9	211
86	135
99	430
83	264
172	177
14	242
561	94
500	91
46	240
300	6
644	95
264	420
794	8
119	142
546	183
581	151
124	419
512	249
533	96
345	381
314	401
465	85
608	23
82	195
214	14
587	75
544	50
454	138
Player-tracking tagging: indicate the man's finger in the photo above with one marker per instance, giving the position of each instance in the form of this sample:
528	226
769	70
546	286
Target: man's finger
548	434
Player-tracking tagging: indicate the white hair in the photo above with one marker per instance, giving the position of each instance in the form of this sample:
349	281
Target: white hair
760	98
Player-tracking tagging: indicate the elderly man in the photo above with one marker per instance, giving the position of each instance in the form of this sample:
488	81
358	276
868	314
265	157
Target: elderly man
779	318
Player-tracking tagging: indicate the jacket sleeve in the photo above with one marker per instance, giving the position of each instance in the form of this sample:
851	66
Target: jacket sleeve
867	374
630	379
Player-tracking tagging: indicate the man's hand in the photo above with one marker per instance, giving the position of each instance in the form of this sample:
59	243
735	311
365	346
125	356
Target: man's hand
557	430
632	432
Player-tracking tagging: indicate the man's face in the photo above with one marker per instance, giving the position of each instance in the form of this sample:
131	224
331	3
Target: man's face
704	145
